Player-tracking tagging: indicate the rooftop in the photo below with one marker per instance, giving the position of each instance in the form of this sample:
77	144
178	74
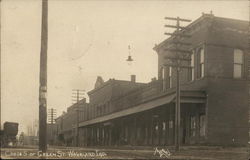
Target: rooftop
222	24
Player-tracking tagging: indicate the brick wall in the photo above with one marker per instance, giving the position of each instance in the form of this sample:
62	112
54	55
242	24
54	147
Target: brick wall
227	98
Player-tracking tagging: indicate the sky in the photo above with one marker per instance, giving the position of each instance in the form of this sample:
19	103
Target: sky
86	39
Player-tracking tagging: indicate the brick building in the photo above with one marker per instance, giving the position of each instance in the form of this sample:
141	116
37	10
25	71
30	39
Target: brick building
67	122
214	95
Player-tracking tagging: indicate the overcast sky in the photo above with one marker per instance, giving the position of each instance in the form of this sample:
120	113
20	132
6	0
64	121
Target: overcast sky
86	39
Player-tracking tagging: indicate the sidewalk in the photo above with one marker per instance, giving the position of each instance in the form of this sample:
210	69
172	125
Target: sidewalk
186	152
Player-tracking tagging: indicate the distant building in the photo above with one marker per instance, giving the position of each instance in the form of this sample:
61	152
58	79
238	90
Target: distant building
65	127
215	100
51	133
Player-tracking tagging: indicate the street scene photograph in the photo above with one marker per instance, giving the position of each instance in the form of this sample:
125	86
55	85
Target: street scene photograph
125	79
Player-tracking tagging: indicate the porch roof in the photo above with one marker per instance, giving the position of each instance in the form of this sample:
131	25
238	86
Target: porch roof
186	97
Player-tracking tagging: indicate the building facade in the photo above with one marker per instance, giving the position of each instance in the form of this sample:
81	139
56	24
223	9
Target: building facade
214	95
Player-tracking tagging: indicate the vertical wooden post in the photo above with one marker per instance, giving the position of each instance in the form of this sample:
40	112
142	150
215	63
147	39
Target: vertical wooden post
0	57
152	129
177	60
177	113
43	80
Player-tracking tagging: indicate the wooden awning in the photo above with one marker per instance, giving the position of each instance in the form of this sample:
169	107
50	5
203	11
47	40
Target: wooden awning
186	97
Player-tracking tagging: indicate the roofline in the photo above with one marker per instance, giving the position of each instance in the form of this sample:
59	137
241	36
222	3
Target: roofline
198	20
104	84
202	17
110	81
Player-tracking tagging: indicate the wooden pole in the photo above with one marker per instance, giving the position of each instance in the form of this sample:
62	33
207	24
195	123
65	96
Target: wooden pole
177	64
0	59
43	80
177	107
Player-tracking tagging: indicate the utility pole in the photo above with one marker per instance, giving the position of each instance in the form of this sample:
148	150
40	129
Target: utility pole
43	80
51	119
77	95
176	61
0	60
249	75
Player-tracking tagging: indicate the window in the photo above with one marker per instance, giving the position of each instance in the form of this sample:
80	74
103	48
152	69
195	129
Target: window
163	73
193	126
97	111
164	126
202	125
170	124
192	67
104	109
201	62
170	77
163	78
101	109
238	63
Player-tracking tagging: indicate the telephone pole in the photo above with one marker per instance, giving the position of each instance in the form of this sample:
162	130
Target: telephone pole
0	60
249	75
77	95
176	61
43	80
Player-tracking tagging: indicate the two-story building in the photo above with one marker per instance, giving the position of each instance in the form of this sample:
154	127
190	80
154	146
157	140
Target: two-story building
214	96
220	66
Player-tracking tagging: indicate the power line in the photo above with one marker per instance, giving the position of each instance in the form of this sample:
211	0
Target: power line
77	95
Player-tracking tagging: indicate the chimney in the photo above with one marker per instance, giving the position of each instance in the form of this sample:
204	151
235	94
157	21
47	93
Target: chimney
133	78
153	79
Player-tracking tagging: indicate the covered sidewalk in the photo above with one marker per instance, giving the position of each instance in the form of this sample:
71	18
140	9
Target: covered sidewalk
148	123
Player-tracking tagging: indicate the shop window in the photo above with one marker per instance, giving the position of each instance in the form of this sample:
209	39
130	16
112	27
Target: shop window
202	125
164	126
156	127
238	63
193	126
170	125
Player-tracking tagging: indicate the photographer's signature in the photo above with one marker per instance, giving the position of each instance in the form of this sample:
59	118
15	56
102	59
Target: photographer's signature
162	153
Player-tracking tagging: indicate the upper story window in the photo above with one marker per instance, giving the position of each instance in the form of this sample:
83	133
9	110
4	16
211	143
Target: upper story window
238	63
170	77
104	109
192	66
163	71
97	111
201	61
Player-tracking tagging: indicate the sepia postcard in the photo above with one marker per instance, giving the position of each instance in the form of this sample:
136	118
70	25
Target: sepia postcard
125	79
